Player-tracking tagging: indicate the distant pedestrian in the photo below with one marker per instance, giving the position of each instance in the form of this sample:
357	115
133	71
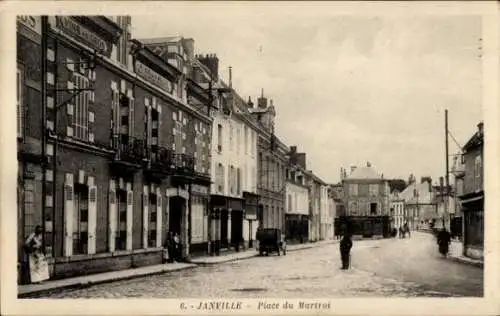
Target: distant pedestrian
177	248
401	232
37	263
407	230
444	240
170	245
345	251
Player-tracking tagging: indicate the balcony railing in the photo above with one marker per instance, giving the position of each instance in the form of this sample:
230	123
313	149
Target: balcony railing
183	161
129	149
161	157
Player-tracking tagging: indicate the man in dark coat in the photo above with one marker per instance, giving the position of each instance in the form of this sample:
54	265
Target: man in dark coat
345	250
444	240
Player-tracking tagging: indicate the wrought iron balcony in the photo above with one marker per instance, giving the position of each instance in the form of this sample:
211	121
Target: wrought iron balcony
130	151
160	162
183	162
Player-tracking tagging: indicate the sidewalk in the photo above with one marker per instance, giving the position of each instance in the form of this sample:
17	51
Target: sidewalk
456	252
34	290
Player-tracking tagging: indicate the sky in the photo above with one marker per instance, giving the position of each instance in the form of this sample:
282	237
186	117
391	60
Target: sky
347	88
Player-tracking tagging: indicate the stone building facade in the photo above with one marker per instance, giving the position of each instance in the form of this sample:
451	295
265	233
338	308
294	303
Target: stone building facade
120	149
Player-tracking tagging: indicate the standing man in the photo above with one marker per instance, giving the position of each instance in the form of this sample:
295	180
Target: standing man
345	251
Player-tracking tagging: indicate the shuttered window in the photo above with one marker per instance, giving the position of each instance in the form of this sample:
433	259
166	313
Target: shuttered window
152	220
121	220
80	219
81	109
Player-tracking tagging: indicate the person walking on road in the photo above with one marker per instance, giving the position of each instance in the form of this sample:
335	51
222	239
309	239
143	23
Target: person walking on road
444	240
345	251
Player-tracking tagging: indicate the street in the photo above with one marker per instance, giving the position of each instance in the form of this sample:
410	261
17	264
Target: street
390	267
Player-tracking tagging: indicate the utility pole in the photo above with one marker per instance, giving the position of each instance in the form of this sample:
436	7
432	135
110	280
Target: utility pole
446	190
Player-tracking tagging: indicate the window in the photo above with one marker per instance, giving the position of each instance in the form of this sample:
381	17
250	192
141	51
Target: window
231	137
80	219
373	189
231	180
20	107
152	216
178	137
245	140
238	141
238	181
353	189
220	178
121	235
290	204
477	173
219	138
81	109
353	208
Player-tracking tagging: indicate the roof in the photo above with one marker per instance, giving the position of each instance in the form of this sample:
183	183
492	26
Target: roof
475	141
162	40
364	173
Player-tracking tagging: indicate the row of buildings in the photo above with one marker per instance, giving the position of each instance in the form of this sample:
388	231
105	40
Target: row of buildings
459	207
122	140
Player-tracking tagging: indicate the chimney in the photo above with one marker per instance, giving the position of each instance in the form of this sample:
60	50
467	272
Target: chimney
212	63
230	77
301	160
262	102
353	168
271	102
480	127
250	103
368	164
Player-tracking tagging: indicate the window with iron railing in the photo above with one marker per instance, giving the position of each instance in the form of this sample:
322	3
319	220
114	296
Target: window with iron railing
81	107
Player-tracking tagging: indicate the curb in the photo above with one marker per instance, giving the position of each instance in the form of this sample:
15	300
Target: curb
224	260
477	264
89	283
192	265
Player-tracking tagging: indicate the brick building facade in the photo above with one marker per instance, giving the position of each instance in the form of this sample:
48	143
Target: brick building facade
271	166
121	147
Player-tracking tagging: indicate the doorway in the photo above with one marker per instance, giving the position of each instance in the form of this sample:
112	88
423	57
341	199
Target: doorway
177	208
236	226
373	208
223	228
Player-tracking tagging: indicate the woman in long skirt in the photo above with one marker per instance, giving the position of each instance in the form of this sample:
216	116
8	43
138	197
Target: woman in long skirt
38	266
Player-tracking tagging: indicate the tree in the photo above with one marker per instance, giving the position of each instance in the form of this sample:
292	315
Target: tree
397	184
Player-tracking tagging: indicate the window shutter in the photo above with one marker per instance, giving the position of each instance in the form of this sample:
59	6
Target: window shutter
130	209
149	131
68	215
160	142
158	217
131	107
115	104
112	216
145	219
92	218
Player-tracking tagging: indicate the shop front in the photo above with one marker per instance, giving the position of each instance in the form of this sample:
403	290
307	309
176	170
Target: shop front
250	224
473	210
297	228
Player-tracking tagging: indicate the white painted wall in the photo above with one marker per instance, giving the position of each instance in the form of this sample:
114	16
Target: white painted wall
234	154
299	197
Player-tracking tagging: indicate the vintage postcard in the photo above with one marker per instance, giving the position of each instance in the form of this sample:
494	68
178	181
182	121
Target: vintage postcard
250	157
